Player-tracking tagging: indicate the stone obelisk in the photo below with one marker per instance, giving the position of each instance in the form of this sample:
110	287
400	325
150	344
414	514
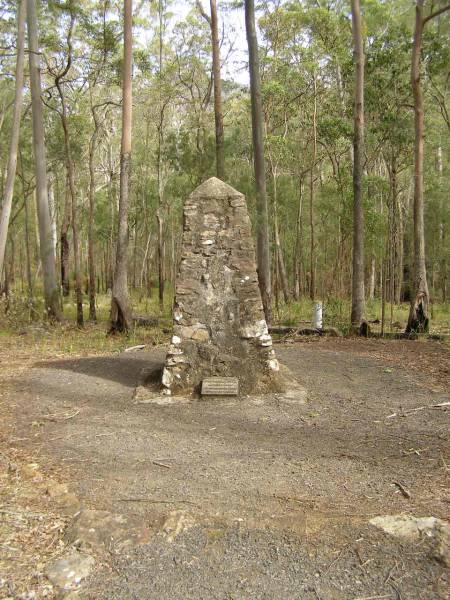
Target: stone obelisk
219	325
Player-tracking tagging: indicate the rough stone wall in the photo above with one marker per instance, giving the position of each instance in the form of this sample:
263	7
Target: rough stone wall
219	326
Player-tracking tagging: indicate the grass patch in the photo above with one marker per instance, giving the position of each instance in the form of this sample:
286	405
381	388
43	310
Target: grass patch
23	327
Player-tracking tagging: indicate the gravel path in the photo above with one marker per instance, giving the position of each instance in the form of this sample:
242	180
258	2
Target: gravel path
280	494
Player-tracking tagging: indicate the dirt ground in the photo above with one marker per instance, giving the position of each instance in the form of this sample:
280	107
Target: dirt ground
278	495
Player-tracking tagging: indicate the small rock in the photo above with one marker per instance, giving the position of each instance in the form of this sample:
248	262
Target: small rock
31	471
406	526
102	529
200	335
56	490
12	468
442	550
177	522
59	493
70	569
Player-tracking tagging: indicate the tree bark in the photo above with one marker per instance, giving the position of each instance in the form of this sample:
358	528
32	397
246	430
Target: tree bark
14	142
312	268
71	175
218	115
160	213
51	293
372	278
280	257
418	320
217	83
262	222
91	250
52	207
120	320
442	231
298	252
358	158
399	252
64	244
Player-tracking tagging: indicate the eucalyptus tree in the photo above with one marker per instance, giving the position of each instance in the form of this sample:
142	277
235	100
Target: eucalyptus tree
51	292
120	318
59	75
190	46
17	111
262	220
213	23
418	320
358	165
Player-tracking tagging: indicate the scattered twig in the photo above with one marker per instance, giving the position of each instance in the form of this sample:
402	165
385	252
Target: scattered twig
406	493
160	464
373	597
132	348
23	513
57	418
152	501
446	467
291	499
391	571
333	562
319	597
413	410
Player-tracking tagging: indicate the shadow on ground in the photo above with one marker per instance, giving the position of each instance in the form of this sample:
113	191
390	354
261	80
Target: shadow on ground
124	369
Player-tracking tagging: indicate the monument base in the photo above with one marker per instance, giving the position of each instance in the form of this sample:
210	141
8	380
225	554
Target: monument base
282	385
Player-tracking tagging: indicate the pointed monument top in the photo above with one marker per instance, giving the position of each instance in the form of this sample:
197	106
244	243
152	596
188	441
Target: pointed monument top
215	188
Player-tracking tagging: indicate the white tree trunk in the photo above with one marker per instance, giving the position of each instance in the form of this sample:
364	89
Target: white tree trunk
17	111
45	230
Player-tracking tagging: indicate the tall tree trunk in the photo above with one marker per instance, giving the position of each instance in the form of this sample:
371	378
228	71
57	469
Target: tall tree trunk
218	115
120	302
418	320
280	258
160	213
51	294
91	251
298	252
71	176
358	158
64	243
262	222
312	265
443	261
14	142
372	278
399	251
52	207
28	254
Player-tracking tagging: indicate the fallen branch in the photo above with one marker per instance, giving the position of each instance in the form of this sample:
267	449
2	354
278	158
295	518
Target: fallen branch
151	501
413	410
160	464
406	493
57	418
132	348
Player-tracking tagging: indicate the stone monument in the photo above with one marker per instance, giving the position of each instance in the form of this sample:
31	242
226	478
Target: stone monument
219	329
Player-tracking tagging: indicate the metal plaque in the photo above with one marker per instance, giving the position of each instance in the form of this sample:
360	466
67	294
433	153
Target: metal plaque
220	386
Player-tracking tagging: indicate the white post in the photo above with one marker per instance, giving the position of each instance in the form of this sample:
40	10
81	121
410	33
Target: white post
317	315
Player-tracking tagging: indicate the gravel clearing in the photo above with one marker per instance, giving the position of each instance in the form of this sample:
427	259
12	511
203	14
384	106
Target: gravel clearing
278	496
